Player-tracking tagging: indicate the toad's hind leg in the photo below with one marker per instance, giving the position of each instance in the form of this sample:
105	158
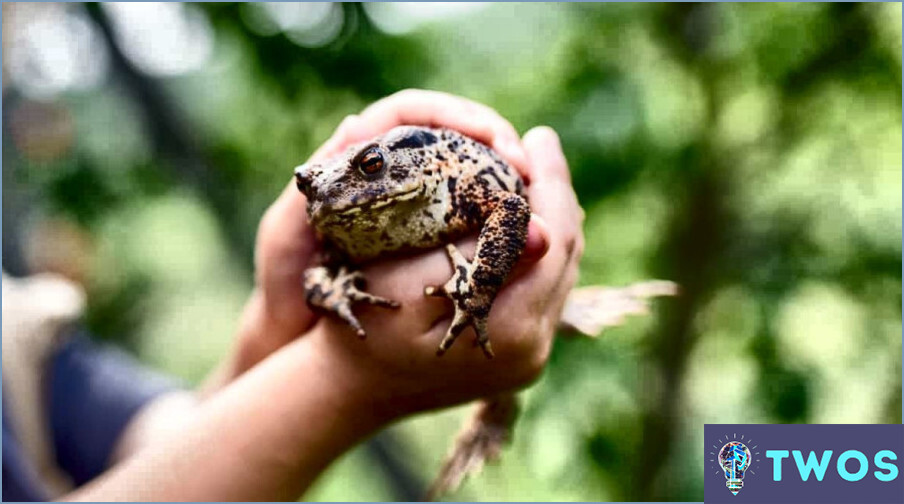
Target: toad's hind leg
474	285
481	440
336	292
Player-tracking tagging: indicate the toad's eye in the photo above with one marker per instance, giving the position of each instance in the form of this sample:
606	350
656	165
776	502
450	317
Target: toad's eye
371	161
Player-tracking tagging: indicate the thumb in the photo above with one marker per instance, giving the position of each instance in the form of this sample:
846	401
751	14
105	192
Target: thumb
544	152
537	240
535	249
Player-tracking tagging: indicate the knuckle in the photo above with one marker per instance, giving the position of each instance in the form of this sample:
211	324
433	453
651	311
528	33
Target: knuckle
409	95
346	123
405	93
269	222
533	364
571	243
548	131
533	348
580	245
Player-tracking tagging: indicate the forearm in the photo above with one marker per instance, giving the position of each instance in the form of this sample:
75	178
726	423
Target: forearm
157	420
265	437
255	339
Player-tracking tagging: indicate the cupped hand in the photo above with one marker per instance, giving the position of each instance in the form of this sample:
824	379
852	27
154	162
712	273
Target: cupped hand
286	246
396	367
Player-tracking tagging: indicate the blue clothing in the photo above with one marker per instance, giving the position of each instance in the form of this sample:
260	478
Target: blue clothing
93	394
20	483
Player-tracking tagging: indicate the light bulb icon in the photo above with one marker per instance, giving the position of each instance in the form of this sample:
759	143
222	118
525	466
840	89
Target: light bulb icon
734	459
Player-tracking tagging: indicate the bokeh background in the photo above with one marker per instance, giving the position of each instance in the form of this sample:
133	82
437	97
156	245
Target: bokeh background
749	152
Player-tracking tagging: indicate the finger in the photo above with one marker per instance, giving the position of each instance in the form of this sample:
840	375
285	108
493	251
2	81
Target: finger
394	279
343	137
437	109
535	249
430	108
542	287
285	225
544	150
285	248
434	108
404	280
552	196
566	281
553	199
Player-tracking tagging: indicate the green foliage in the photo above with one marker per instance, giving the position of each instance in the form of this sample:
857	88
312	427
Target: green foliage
749	152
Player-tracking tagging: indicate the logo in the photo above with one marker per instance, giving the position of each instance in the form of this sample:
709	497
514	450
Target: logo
804	464
734	459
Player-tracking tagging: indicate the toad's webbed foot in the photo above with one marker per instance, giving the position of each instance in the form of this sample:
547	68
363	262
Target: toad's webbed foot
460	289
474	285
336	292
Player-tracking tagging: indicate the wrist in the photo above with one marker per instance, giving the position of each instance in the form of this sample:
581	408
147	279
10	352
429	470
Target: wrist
319	408
376	389
295	413
266	436
367	391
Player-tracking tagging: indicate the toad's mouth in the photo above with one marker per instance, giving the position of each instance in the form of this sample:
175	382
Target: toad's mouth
322	212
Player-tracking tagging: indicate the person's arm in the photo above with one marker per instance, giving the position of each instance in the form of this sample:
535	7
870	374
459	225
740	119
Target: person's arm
265	437
288	407
272	431
276	312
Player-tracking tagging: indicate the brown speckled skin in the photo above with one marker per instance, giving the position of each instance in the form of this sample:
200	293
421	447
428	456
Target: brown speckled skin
432	187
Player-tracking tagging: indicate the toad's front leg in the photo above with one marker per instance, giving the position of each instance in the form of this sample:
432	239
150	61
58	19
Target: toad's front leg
336	292
474	285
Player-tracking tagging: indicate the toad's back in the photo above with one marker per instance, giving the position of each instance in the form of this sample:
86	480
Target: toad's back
412	188
416	188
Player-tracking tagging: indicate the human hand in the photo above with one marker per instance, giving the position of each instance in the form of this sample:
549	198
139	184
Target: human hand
286	246
319	395
396	370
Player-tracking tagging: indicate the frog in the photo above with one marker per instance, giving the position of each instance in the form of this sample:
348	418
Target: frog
410	189
417	188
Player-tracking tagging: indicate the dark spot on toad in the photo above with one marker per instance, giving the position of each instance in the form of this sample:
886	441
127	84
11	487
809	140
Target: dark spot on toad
416	139
398	174
489	171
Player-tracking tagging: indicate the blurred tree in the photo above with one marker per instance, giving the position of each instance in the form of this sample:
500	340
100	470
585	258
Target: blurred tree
750	152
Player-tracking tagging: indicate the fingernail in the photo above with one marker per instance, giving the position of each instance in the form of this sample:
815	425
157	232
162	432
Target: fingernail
537	239
347	123
549	135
